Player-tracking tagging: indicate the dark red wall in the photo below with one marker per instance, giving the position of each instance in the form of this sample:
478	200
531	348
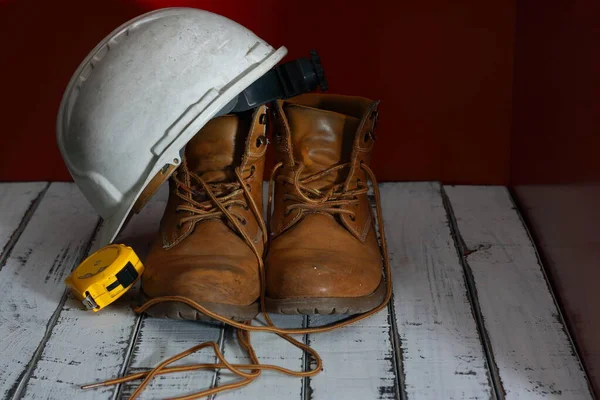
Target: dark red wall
556	132
443	70
555	155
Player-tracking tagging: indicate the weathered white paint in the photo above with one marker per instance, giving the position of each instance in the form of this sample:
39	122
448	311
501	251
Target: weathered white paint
86	347
159	339
442	356
440	350
15	200
533	354
270	349
358	360
31	282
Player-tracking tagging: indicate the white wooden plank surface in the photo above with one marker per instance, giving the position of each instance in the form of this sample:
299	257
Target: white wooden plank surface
533	354
31	282
442	356
86	347
270	349
159	339
358	360
15	201
441	352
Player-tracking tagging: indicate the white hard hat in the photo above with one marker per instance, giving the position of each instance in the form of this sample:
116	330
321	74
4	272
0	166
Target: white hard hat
142	94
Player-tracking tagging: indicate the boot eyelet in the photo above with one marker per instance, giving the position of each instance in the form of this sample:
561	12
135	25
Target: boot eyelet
260	141
352	218
243	221
262	119
252	169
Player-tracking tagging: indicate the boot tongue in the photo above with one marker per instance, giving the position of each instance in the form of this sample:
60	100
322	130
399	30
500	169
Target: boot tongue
217	149
321	139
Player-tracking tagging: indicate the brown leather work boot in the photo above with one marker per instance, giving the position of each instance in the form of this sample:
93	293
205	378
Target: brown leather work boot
199	253
323	256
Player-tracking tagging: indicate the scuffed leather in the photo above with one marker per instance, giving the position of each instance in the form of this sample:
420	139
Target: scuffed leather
313	253
207	260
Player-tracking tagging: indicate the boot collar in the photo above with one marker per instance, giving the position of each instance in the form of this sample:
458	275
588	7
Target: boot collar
364	109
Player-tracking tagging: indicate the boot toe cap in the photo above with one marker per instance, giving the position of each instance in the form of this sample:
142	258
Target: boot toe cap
321	274
201	280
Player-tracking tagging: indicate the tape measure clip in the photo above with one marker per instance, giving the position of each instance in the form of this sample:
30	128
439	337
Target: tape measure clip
89	302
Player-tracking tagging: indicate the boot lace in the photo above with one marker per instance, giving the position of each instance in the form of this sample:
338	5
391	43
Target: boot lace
311	200
202	206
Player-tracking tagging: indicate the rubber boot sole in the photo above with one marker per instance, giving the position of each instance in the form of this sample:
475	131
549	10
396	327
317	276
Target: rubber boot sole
175	310
327	305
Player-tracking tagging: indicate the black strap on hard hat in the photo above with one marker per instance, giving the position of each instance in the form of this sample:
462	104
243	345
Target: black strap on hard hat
287	80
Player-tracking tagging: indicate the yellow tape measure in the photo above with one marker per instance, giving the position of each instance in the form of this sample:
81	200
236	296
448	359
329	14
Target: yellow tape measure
105	276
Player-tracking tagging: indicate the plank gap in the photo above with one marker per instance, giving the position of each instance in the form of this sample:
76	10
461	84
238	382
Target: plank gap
305	393
397	350
399	382
22	382
307	390
462	252
221	343
10	244
397	365
118	393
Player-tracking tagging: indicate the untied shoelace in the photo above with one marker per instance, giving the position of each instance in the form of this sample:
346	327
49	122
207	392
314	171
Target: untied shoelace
218	207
